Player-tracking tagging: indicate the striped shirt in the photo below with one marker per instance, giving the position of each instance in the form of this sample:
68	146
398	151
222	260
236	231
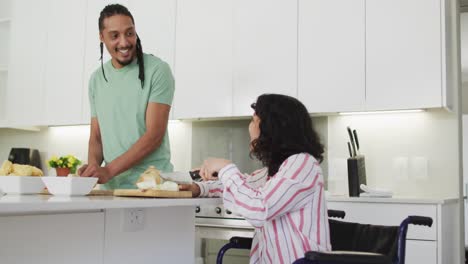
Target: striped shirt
288	210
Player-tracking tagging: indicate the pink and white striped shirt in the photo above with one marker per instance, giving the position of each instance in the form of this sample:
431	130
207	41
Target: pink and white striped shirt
288	210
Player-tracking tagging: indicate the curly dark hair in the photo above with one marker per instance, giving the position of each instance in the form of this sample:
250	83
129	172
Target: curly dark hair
285	129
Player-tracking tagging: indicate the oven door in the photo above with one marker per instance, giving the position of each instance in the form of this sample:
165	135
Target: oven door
210	237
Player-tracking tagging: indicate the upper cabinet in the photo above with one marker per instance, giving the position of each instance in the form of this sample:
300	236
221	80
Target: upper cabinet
331	71
92	54
203	63
154	23
335	56
405	56
264	51
230	52
64	52
27	65
5	28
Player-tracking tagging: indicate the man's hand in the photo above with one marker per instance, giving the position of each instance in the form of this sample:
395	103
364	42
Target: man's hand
103	173
194	188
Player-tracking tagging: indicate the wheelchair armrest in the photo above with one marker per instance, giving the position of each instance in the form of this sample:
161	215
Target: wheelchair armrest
241	242
348	257
420	220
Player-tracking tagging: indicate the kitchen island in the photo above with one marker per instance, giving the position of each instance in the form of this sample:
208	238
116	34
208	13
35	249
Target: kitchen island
97	229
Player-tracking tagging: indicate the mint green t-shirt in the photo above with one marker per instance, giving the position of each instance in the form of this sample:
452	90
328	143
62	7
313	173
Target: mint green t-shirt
120	108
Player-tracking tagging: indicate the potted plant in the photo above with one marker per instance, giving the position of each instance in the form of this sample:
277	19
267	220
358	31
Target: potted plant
64	165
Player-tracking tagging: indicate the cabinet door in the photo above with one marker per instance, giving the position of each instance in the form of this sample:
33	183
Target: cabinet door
64	70
203	63
403	54
421	251
264	51
72	238
92	51
5	25
331	71
25	92
155	25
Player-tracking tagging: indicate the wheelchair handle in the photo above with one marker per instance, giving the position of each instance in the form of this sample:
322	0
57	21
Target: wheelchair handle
336	213
420	220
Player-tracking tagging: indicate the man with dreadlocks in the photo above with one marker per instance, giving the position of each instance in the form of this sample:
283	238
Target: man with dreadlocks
130	98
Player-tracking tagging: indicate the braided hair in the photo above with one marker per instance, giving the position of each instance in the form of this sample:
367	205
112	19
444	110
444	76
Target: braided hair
117	9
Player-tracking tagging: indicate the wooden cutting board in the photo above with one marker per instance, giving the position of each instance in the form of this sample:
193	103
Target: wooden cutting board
153	193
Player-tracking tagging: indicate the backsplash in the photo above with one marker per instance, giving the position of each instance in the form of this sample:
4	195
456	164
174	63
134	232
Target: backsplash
230	140
412	154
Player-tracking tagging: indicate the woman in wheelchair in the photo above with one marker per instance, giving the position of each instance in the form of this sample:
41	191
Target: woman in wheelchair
285	200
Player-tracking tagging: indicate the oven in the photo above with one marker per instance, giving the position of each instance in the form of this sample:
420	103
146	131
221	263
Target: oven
214	226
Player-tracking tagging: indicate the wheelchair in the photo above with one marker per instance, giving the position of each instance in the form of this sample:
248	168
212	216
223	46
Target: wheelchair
246	242
352	243
355	243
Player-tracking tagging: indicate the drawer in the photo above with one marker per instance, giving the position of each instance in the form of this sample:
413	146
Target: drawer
390	214
420	251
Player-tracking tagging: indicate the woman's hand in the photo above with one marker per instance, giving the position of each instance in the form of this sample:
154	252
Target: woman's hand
194	188
211	166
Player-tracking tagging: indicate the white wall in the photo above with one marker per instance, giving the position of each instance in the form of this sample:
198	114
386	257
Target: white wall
384	138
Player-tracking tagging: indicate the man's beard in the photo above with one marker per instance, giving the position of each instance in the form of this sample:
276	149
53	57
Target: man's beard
125	63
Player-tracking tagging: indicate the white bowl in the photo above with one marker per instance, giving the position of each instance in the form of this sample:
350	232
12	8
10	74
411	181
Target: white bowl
69	185
21	184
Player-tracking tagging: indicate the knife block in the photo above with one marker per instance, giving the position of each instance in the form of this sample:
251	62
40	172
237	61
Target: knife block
356	175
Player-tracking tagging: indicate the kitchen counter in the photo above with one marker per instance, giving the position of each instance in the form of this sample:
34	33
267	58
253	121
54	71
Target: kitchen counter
98	229
396	200
20	204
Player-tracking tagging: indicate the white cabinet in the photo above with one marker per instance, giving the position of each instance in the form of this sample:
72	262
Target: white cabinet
404	54
64	69
155	25
331	57
52	238
438	244
91	42
264	51
26	74
203	63
230	52
5	25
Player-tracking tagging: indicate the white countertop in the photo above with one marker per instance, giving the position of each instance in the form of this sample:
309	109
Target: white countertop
18	204
396	199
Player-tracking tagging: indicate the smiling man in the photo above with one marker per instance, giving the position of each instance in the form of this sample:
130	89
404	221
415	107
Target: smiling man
130	98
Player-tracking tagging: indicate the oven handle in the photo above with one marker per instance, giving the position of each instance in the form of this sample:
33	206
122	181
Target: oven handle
226	226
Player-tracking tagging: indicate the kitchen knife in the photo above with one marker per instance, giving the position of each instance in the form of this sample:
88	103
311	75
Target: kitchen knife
177	177
352	140
356	140
196	175
349	149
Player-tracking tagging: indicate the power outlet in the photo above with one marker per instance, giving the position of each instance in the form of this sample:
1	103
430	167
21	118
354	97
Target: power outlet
133	220
400	168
